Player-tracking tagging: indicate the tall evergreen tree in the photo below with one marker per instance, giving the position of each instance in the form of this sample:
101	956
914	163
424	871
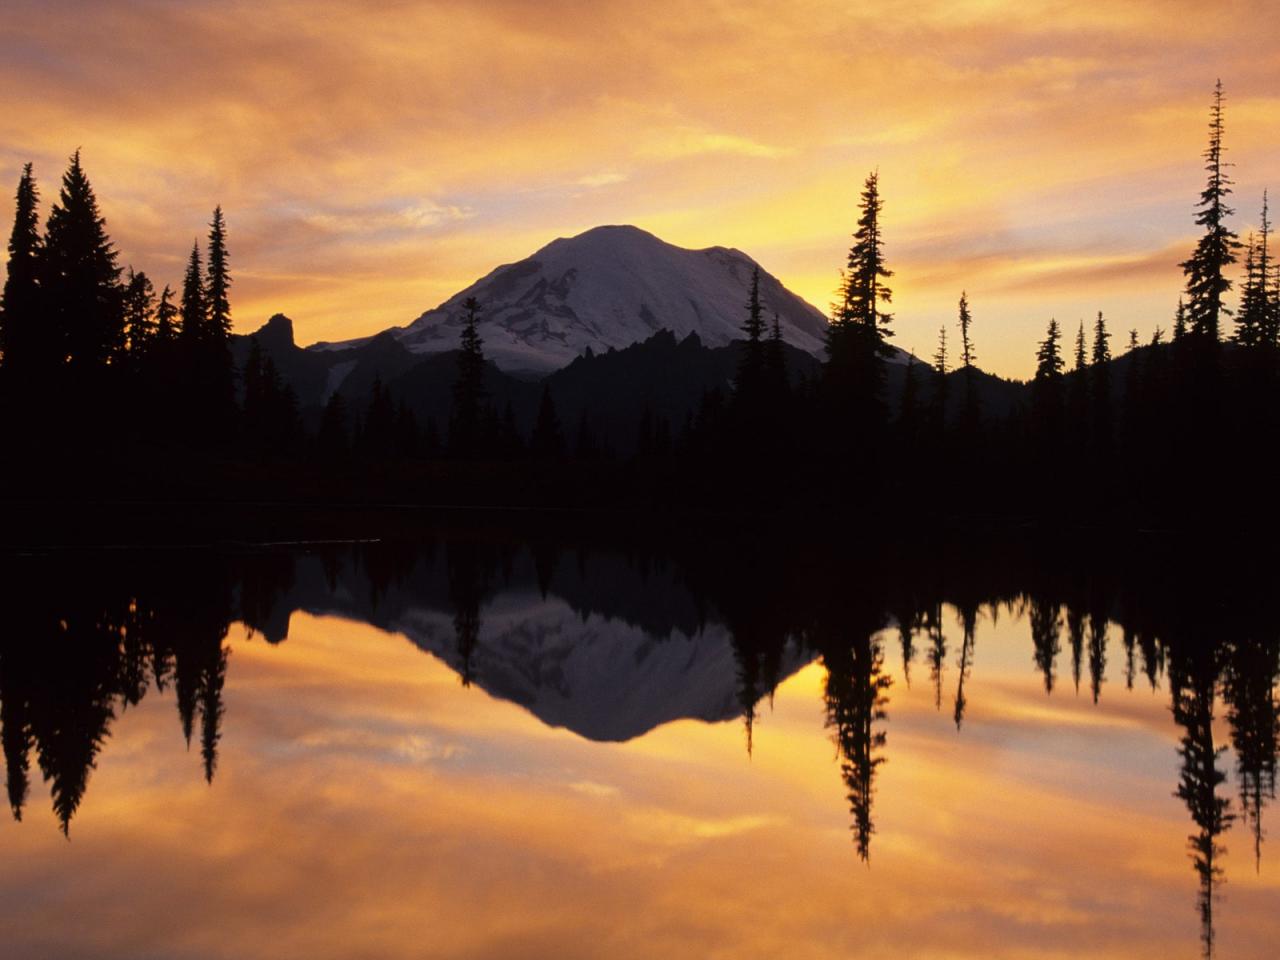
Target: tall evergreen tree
81	293
166	313
864	289
972	413
20	321
1206	270
1101	343
1100	386
1255	320
1248	320
219	279
1079	399
1180	321
139	310
856	347
1046	393
938	411
1049	362
194	312
1272	285
968	355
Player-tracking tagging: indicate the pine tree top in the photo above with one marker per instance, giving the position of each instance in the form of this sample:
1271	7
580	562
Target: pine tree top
77	230
940	355
1049	362
24	240
863	288
968	356
217	286
1101	341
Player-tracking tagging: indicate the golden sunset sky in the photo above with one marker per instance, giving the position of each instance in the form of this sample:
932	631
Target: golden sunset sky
375	157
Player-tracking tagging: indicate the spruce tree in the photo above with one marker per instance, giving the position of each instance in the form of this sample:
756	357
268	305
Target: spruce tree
1078	397
967	354
166	313
218	284
21	345
1100	386
856	347
1133	390
864	288
1180	321
1206	271
1046	388
139	310
1272	285
194	313
1101	342
939	406
1258	320
1251	317
1049	362
80	281
968	357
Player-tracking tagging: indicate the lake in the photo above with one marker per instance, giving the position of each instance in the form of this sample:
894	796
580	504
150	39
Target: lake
479	744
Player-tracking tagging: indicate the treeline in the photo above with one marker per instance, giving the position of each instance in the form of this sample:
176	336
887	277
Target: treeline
1182	425
100	371
94	358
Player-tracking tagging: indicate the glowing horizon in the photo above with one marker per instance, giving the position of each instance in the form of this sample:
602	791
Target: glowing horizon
374	159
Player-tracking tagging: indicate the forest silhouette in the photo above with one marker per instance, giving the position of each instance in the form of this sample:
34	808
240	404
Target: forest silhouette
112	390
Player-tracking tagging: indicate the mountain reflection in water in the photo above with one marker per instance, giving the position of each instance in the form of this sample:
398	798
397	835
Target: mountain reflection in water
614	644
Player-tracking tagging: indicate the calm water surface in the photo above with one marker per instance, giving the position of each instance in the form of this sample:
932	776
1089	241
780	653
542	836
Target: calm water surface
476	748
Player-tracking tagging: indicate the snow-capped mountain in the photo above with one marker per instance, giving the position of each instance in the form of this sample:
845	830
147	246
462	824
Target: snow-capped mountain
608	288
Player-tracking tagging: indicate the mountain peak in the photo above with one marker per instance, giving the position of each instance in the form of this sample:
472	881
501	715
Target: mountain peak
607	288
276	334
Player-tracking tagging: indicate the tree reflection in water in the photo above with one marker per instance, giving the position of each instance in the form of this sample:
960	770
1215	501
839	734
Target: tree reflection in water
88	636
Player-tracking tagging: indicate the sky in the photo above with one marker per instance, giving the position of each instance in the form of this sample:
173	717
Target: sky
373	158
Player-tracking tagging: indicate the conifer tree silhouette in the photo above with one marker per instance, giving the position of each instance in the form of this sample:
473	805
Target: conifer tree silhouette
81	295
1206	270
24	334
